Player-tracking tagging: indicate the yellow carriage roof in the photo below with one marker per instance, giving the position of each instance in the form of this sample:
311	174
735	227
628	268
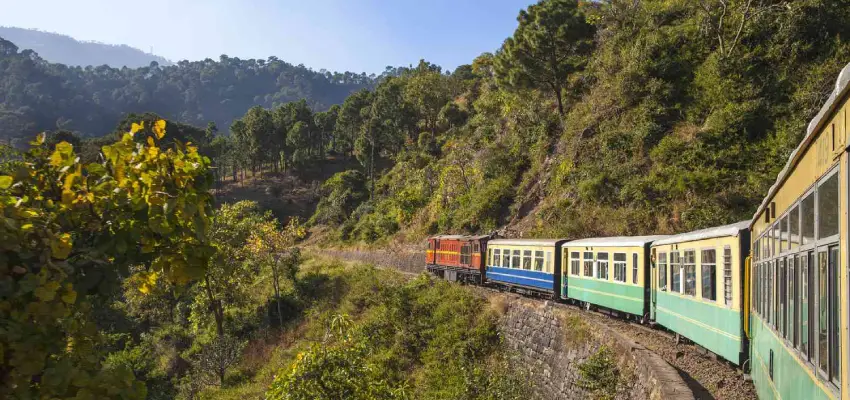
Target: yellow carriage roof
614	241
834	100
709	233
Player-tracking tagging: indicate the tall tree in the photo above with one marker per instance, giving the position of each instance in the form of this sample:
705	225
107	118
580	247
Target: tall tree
551	43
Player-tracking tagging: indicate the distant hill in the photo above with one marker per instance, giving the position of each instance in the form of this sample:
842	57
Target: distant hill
66	50
37	95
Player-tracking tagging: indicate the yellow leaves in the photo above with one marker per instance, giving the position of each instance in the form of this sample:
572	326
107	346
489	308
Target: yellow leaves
47	292
137	127
159	129
39	140
148	281
5	181
61	245
70	296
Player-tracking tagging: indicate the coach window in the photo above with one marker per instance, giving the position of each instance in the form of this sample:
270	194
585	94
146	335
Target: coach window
662	271
772	292
794	227
727	276
807	223
602	265
497	256
588	264
756	250
805	307
575	263
526	259
516	259
776	243
506	258
690	267
708	272
828	208
790	305
782	284
783	234
620	267
549	268
634	268
834	316
538	261
676	271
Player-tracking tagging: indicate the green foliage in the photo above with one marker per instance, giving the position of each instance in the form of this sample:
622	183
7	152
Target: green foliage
342	193
72	230
331	372
418	339
550	44
599	374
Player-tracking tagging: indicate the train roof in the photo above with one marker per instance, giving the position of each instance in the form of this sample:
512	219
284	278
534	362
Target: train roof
525	242
459	237
614	241
709	233
838	93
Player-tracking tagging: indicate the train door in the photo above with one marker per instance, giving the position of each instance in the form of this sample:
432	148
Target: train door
653	284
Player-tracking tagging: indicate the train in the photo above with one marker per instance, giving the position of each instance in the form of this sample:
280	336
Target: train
769	295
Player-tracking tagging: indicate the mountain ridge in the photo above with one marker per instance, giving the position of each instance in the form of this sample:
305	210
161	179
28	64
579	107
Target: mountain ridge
64	49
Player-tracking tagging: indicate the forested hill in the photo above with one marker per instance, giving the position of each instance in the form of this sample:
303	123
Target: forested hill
66	50
596	118
36	95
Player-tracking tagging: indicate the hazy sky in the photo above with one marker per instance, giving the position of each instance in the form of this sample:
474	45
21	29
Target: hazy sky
353	35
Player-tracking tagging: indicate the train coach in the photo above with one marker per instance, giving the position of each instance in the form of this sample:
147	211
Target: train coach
528	266
799	321
697	288
457	257
609	272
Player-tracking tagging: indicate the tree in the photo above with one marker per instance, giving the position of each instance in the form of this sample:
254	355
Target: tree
551	43
725	20
354	111
227	281
216	357
275	247
72	230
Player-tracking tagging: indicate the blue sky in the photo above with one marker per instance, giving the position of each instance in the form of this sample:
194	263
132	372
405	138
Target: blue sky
340	35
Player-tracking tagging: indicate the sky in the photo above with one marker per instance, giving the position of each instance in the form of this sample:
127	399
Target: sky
337	35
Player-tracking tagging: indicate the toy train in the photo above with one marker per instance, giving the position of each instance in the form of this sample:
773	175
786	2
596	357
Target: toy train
769	295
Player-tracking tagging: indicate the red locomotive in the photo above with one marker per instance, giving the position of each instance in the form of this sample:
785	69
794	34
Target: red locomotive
457	257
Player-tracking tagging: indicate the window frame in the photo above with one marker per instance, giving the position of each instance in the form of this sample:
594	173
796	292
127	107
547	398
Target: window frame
662	271
728	281
539	257
702	278
600	268
620	267
635	262
588	264
685	272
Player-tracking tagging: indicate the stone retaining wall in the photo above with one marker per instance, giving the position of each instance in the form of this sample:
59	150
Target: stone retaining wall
551	341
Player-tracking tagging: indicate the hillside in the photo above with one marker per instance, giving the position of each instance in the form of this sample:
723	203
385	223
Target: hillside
62	49
37	95
670	121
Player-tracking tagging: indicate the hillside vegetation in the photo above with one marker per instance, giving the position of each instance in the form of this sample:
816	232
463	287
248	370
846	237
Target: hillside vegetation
36	95
617	117
66	50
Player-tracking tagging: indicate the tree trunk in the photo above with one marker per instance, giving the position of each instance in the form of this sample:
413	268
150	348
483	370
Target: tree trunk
216	307
372	171
276	284
560	101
